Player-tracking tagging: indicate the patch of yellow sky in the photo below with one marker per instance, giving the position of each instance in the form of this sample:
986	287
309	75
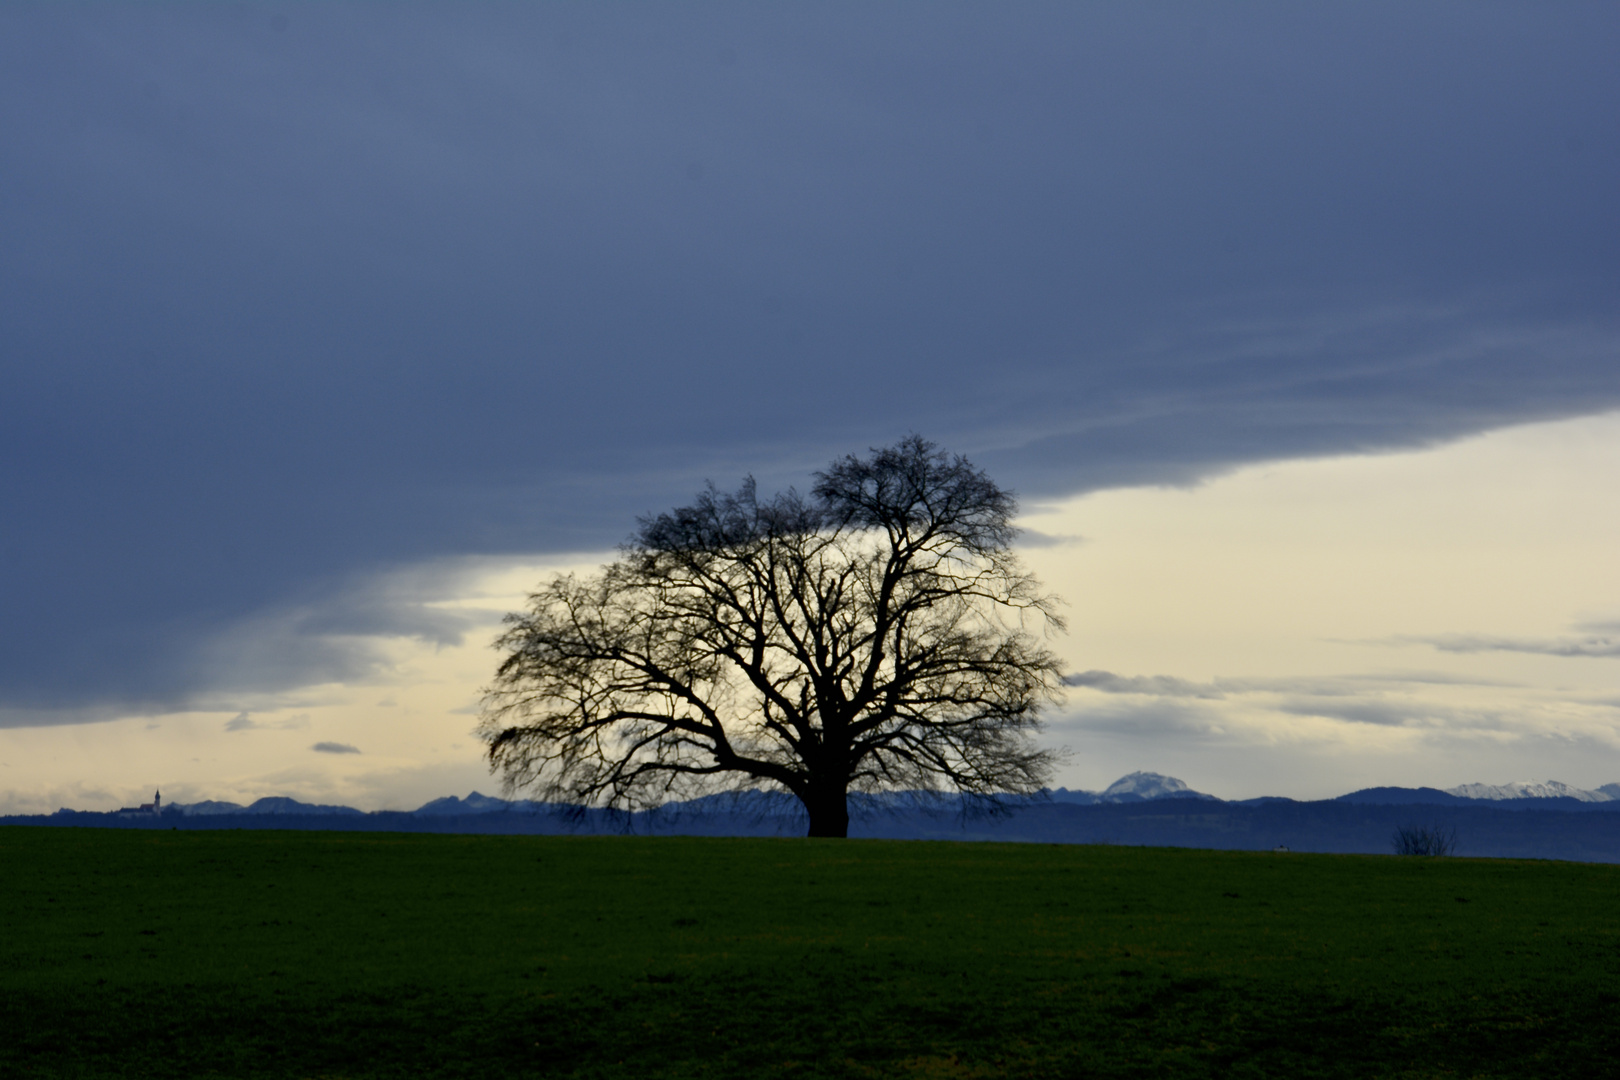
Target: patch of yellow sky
1311	584
1289	604
410	721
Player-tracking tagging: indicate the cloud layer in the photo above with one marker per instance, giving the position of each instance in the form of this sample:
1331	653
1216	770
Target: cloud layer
291	298
1474	643
334	748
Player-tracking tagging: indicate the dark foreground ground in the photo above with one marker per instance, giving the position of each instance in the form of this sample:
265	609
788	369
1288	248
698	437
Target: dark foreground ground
309	954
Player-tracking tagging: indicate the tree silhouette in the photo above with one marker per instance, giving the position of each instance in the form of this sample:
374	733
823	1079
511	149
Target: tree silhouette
1433	840
877	635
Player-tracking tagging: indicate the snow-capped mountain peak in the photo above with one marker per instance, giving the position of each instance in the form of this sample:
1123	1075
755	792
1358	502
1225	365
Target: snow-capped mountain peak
1529	789
1148	785
474	803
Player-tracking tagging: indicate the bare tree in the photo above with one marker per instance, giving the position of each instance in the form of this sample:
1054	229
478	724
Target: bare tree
877	635
1430	840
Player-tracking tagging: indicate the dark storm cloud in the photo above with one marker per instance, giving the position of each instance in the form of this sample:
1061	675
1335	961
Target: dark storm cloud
291	294
334	748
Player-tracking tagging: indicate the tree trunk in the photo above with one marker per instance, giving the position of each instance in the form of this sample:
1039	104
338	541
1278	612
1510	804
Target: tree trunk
829	813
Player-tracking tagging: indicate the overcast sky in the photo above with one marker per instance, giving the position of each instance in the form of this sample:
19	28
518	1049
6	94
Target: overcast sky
325	328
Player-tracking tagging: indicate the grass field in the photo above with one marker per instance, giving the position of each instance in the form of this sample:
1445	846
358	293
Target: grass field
286	954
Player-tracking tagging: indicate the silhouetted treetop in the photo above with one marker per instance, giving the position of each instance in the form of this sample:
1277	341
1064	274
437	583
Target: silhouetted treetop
877	635
916	492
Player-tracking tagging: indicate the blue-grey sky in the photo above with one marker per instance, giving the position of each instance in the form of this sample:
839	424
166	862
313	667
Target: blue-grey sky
297	297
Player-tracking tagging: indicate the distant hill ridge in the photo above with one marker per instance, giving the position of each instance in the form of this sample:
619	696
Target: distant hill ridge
1551	794
1135	787
1142	808
273	804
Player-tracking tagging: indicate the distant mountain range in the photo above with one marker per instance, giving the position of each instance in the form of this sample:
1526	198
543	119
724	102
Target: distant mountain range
1522	789
1137	787
274	804
1519	820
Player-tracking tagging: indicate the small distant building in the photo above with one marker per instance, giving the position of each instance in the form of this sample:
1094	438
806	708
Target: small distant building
153	807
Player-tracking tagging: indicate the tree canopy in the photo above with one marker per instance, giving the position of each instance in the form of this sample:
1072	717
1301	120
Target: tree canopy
879	634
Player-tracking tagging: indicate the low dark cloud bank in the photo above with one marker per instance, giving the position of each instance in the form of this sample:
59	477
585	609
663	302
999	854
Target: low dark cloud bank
1608	647
1156	685
291	295
1324	686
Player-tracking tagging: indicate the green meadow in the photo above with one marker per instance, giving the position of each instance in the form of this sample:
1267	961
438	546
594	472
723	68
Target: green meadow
297	954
